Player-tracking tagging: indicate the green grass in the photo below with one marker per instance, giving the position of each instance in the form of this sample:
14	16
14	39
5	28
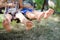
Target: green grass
1	25
1	19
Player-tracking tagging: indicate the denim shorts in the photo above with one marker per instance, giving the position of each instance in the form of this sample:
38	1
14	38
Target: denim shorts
24	10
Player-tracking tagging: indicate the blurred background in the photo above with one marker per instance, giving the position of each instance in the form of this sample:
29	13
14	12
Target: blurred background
47	29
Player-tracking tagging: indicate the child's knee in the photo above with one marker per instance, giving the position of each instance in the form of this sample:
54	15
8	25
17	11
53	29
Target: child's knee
32	17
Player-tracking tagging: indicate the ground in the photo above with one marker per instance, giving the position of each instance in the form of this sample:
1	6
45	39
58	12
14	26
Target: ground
47	29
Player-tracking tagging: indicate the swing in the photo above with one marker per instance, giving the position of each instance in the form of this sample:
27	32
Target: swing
45	3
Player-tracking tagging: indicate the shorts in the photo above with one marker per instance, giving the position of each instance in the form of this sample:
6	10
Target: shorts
24	10
10	10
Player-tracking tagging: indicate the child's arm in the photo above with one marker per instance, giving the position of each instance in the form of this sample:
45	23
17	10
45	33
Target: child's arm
21	4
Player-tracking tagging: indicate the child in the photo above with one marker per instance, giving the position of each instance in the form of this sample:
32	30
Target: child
29	11
11	10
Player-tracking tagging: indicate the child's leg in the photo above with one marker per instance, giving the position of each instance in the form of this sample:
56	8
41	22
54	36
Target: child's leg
38	15
35	15
6	22
30	15
24	20
48	13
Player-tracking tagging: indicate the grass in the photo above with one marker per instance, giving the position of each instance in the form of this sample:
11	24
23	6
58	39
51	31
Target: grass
45	30
1	19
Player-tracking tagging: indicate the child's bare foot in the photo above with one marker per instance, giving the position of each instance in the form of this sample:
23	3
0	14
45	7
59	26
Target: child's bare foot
6	25
29	25
48	13
40	15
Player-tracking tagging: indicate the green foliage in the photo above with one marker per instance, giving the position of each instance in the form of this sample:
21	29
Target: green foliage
39	3
1	17
58	5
